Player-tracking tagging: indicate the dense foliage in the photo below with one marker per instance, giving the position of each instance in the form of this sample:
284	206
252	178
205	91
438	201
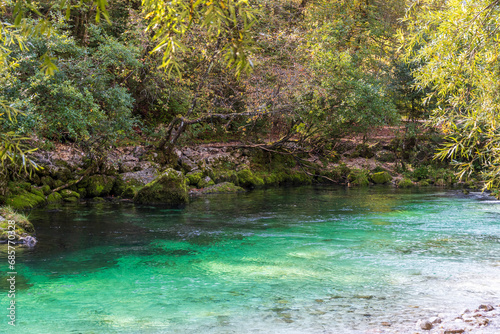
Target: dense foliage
269	72
454	45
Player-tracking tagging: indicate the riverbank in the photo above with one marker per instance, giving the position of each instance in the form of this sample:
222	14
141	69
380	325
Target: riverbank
67	175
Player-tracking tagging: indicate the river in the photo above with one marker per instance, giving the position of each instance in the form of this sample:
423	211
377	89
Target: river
287	260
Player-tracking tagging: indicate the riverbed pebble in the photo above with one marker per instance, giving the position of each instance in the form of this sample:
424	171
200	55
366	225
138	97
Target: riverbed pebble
486	307
435	320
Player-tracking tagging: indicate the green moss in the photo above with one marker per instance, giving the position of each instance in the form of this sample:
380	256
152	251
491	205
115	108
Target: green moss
275	178
194	178
22	225
70	199
381	177
47	180
205	182
300	178
405	183
168	188
119	186
37	192
63	174
99	185
25	201
45	189
21	220
58	183
98	199
225	176
423	183
54	198
65	193
359	177
248	180
129	192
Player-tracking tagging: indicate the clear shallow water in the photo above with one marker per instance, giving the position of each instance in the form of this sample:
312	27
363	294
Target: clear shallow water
301	260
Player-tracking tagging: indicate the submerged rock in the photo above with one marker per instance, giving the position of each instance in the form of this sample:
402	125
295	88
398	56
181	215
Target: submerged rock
168	188
221	188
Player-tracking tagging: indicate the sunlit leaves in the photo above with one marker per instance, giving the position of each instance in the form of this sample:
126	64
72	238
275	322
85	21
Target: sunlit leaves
226	24
455	44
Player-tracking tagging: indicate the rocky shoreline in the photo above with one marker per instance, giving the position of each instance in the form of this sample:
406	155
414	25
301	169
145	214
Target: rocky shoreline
67	176
483	319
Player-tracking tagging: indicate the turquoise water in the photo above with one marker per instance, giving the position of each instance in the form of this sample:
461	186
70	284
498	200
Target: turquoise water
301	260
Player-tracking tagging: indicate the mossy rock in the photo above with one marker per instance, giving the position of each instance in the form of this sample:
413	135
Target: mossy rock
25	201
276	178
63	174
248	180
119	186
423	183
98	199
47	180
54	198
299	178
405	183
381	178
359	177
58	183
193	178
45	189
70	199
99	185
65	193
379	169
225	176
168	188
205	182
23	226
129	192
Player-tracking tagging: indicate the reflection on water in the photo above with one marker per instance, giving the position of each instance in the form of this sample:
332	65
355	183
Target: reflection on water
302	260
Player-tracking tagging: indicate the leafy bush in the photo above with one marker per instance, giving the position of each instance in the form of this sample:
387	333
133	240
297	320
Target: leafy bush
86	96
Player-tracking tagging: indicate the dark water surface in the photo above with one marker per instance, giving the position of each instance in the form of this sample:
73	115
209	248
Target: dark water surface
293	260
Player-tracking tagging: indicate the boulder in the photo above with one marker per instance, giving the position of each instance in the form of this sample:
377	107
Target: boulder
99	185
381	178
168	188
140	178
248	180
